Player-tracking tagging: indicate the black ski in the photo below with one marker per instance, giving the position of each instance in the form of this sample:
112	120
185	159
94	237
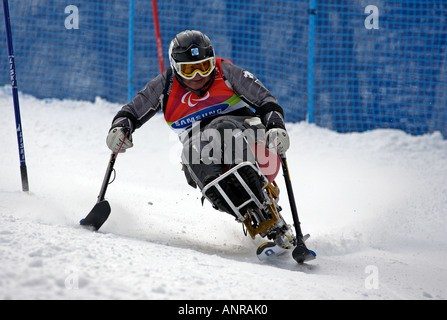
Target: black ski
300	253
96	218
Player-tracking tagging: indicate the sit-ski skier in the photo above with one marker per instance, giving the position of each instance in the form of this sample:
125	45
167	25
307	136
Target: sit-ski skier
202	97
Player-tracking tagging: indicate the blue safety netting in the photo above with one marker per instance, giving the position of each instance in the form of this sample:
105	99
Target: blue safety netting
348	65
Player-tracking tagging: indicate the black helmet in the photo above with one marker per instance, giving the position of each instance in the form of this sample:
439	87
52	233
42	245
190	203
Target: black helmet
191	46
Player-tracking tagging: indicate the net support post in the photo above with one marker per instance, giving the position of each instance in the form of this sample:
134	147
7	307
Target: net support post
311	61
130	46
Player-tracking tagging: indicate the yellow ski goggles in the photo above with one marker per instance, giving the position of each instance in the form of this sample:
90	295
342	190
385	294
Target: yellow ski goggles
189	70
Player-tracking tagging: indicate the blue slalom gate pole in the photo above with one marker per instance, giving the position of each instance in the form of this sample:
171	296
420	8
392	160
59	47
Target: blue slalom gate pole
15	96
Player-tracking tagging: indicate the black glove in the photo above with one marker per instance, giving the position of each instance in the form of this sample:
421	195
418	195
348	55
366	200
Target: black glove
117	133
276	137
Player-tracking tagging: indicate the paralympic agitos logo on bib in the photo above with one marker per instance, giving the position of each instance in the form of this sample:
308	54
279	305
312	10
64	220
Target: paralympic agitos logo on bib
191	101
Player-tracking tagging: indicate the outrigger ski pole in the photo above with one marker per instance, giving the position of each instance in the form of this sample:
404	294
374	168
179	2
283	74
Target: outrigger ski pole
101	211
301	253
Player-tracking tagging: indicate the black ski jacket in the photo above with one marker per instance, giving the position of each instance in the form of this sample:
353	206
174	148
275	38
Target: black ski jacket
155	94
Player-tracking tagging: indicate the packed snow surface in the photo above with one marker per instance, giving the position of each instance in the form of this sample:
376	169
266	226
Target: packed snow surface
375	204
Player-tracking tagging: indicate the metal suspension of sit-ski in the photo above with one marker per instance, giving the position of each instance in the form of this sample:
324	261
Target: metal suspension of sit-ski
264	218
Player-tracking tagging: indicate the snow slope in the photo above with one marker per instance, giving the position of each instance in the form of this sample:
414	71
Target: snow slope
375	204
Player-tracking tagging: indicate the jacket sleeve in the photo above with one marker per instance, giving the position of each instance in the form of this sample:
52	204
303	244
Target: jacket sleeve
145	104
255	94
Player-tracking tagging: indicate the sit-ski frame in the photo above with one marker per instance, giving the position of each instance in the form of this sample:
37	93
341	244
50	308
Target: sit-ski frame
263	225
